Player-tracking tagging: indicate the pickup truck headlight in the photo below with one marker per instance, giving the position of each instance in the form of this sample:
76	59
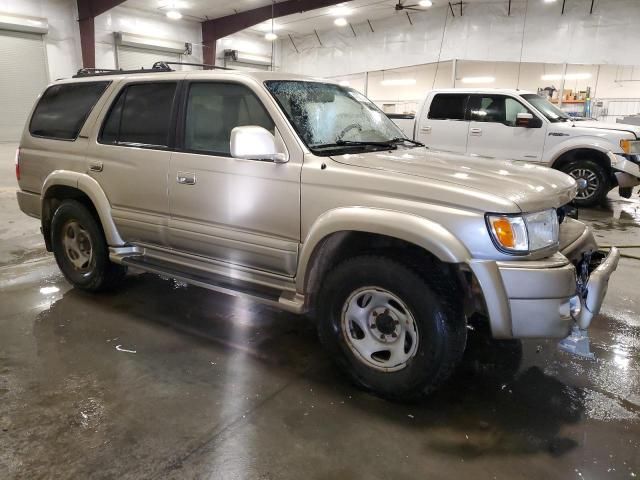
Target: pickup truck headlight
521	234
630	147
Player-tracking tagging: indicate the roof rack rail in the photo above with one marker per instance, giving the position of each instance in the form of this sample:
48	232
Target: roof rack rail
206	65
96	72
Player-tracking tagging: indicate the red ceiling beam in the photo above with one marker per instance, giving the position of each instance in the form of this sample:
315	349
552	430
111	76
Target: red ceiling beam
87	11
217	28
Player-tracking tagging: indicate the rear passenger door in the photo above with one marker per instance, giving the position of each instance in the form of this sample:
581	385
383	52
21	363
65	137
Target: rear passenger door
494	131
238	211
130	157
443	125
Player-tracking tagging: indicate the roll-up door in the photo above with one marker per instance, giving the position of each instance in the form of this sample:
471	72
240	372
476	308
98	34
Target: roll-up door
23	76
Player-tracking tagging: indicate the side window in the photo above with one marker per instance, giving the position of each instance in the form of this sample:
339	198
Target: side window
487	108
63	109
141	115
448	106
214	109
512	109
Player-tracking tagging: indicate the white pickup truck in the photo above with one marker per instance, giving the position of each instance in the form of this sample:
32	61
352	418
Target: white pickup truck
519	125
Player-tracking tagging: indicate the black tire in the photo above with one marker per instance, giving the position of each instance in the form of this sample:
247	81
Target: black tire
441	327
97	273
595	175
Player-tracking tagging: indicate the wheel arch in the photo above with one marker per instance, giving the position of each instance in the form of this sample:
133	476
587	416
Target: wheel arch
62	185
339	233
583	153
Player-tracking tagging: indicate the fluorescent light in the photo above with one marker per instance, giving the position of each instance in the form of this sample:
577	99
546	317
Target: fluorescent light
549	1
478	79
568	76
340	10
340	22
174	15
270	36
398	81
425	3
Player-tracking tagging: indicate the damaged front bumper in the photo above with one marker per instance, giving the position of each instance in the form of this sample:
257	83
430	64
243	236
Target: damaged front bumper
546	298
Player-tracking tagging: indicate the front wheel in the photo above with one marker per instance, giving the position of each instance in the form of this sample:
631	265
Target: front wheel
388	329
592	180
81	250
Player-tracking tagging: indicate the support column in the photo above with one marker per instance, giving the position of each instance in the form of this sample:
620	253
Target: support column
88	42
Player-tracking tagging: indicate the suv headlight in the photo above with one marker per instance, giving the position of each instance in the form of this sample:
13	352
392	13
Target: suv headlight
521	234
630	147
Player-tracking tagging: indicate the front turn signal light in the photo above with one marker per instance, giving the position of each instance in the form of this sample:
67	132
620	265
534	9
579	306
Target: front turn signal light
503	232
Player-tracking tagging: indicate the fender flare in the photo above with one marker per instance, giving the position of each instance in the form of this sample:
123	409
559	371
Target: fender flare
597	144
414	229
91	188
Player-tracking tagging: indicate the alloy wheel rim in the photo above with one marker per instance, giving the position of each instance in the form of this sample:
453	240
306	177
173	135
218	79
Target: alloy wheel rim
588	182
77	246
379	329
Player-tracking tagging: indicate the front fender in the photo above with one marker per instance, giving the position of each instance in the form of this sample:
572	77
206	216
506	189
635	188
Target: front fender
581	142
419	231
92	189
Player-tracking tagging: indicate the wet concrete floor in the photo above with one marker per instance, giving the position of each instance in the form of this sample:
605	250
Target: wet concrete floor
162	380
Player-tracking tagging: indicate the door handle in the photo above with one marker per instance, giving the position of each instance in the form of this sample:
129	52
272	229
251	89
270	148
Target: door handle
476	131
425	129
186	178
95	166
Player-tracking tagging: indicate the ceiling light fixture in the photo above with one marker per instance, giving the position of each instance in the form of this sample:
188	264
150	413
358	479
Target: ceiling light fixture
478	79
270	36
425	3
393	82
174	15
549	1
340	22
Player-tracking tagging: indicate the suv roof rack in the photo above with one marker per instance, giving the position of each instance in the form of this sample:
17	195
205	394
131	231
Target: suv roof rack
157	67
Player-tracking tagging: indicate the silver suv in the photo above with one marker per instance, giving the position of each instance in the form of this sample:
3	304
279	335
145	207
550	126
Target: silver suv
302	194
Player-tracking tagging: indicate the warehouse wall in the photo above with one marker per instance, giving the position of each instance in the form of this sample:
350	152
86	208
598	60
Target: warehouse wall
484	32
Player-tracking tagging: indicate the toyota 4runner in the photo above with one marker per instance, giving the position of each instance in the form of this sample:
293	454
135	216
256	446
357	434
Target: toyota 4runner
303	195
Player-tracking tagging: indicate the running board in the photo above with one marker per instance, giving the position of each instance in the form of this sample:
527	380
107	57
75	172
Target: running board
288	301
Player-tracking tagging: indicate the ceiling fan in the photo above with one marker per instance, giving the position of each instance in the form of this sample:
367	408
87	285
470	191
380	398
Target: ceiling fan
416	6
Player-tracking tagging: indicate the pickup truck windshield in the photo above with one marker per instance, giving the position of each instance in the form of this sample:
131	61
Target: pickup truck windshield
330	117
553	113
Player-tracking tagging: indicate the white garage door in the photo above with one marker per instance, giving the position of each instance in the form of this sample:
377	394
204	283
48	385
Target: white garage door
131	58
23	76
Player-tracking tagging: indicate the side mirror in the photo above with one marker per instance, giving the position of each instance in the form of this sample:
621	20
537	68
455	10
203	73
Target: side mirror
255	143
527	120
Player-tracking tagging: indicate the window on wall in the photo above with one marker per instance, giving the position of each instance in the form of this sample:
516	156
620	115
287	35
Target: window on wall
495	109
214	109
63	109
448	106
141	115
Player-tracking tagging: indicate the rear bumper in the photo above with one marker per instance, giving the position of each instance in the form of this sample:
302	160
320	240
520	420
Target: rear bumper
29	203
532	299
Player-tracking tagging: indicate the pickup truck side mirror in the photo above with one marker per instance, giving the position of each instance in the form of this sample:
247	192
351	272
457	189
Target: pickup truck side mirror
527	120
255	143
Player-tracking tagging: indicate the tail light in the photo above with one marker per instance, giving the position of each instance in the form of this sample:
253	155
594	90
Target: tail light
18	164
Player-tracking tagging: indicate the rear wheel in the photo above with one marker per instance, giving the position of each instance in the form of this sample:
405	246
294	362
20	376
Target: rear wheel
81	250
592	180
388	329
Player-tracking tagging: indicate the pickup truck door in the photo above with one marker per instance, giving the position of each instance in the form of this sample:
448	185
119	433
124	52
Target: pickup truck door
442	125
237	211
493	131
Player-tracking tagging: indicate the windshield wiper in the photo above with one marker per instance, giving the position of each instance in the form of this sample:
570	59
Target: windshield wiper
389	144
413	142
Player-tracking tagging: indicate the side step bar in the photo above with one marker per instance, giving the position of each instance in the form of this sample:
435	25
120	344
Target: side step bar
288	301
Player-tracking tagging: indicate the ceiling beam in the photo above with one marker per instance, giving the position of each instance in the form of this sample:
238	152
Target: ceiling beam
217	28
87	11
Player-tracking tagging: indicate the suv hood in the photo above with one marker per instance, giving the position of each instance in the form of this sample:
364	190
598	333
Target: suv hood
619	127
529	187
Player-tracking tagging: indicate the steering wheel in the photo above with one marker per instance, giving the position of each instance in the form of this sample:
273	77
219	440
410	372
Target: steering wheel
347	129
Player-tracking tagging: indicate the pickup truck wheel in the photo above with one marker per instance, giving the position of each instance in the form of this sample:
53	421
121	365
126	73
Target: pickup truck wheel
385	326
81	250
592	179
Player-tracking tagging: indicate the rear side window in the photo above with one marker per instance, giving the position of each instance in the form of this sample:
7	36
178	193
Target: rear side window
214	109
141	115
63	109
448	106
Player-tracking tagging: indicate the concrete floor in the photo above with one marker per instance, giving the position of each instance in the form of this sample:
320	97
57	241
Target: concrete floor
208	386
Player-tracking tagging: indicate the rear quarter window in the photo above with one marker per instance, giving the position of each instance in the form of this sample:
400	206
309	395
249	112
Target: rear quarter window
448	106
63	109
